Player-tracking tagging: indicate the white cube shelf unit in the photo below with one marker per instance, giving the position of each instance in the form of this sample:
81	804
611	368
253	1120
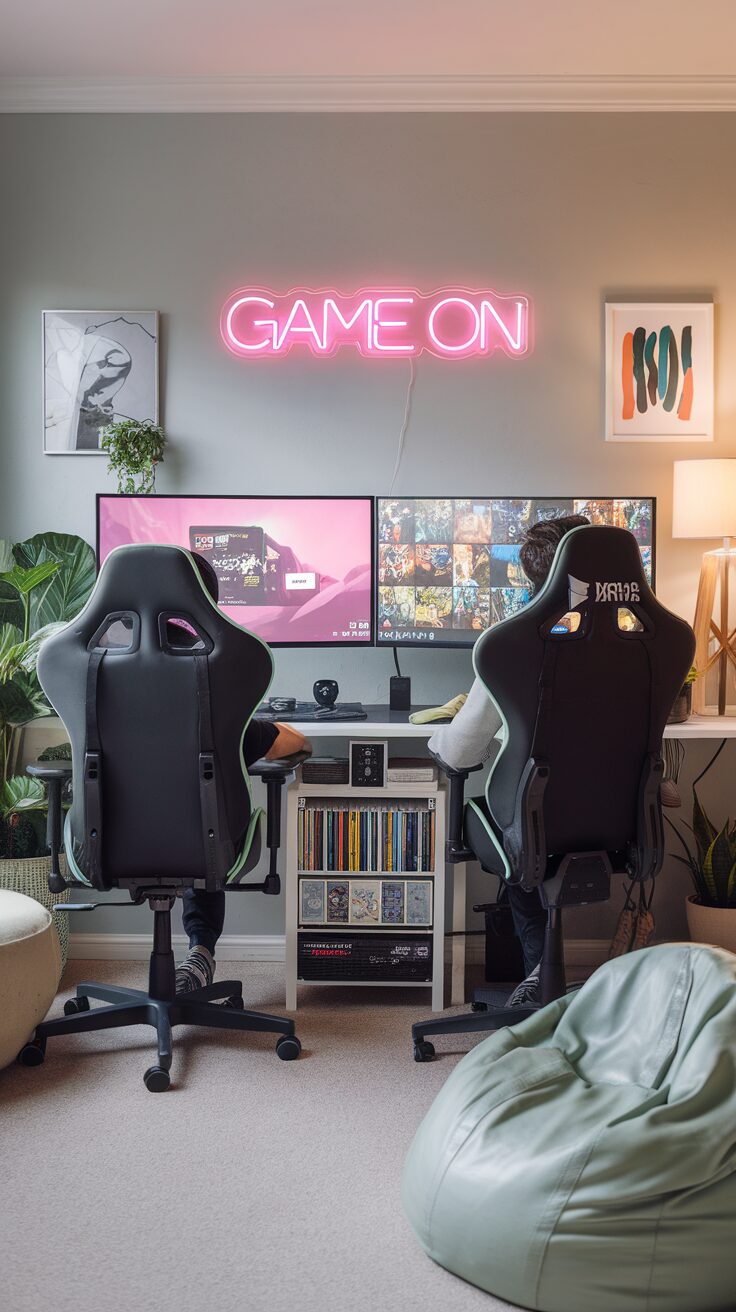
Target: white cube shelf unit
383	878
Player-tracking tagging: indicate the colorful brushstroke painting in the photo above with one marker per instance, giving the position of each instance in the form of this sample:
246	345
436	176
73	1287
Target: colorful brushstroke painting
659	372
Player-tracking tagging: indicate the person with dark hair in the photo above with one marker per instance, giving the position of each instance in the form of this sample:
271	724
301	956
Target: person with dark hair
471	738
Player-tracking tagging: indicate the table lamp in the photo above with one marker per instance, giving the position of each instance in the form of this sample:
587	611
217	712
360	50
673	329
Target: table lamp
704	506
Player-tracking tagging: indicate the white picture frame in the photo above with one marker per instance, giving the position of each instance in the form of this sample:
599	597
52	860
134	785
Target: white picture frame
99	366
647	398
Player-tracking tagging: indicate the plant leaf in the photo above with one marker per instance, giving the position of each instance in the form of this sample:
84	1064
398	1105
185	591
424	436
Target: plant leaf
717	868
704	830
22	700
24	580
21	793
67	590
6	555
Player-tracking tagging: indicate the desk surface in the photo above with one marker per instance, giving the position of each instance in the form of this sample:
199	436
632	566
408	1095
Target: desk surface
384	723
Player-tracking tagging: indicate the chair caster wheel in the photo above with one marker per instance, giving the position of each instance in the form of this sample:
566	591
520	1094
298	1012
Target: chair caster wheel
288	1047
156	1079
73	1005
235	1002
423	1050
479	1006
33	1053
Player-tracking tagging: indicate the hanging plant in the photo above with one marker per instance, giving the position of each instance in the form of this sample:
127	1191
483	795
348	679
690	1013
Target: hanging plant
133	451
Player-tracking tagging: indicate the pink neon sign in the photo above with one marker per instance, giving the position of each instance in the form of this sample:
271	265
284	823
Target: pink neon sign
452	323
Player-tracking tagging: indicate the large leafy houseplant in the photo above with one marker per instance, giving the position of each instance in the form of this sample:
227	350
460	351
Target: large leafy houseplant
44	582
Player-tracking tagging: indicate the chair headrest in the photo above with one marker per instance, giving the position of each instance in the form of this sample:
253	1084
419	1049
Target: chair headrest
151	578
593	564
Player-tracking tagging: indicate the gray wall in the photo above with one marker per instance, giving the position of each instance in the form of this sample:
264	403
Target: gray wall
173	212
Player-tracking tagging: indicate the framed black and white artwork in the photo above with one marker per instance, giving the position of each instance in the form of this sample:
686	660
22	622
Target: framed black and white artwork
99	366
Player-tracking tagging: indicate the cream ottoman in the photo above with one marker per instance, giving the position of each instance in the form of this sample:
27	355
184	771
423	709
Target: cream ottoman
30	968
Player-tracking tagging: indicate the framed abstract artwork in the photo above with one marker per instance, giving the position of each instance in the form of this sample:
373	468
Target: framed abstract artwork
99	366
659	372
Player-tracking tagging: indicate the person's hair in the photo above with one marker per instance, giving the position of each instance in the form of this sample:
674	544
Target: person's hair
540	544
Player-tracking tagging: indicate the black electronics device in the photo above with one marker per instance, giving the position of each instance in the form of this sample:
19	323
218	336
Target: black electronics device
325	691
366	956
368	763
399	693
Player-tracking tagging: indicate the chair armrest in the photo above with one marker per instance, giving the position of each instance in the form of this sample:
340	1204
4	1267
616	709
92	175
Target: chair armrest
279	768
450	770
455	849
274	774
54	774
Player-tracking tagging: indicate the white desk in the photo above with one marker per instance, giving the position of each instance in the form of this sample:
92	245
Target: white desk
384	723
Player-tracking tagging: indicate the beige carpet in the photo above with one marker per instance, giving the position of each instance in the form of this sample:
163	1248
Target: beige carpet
253	1185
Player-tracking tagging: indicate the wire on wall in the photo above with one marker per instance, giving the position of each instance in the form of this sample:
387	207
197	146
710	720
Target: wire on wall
404	426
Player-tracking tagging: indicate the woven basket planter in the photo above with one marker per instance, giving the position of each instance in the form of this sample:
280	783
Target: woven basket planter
31	877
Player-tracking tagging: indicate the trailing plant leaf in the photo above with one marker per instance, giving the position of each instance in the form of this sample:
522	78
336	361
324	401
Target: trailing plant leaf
59	752
133	450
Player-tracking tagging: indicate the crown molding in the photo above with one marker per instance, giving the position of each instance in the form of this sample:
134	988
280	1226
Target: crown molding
212	95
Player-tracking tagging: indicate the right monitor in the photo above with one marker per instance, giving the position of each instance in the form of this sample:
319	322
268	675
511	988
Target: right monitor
448	567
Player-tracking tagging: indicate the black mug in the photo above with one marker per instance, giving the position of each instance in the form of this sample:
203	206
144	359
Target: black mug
325	692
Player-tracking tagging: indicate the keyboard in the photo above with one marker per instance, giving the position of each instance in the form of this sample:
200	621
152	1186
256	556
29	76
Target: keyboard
311	712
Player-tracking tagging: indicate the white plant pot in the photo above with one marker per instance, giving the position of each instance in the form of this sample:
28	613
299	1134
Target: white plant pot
30	876
713	925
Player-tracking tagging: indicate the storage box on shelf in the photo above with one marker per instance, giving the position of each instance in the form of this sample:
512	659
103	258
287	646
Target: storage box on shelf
365	887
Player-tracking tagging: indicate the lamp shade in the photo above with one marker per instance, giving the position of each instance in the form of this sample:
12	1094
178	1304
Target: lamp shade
704	499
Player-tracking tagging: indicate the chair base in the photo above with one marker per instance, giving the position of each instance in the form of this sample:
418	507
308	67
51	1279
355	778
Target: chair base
135	1007
475	1022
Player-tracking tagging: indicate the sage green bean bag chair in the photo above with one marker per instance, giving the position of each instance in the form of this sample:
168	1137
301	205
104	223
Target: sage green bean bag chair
585	1160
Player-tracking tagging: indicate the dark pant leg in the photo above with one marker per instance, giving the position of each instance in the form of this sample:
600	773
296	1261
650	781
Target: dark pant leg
530	922
203	915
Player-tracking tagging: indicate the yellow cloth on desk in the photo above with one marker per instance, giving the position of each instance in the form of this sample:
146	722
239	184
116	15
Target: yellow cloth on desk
446	712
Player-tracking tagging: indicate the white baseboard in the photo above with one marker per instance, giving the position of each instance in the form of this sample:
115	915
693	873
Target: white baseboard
580	952
137	947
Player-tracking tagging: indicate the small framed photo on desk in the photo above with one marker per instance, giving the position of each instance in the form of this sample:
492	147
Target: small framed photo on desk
368	762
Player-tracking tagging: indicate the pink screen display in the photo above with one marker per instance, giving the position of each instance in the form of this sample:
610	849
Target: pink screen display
291	570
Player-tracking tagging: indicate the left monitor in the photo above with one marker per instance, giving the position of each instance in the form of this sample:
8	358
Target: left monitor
296	571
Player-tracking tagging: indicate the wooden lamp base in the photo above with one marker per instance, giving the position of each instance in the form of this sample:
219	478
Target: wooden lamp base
714	691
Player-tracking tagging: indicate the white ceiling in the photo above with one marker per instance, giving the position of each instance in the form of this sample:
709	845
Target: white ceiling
491	44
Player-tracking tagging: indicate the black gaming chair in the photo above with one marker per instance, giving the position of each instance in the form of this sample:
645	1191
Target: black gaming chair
584	679
156	687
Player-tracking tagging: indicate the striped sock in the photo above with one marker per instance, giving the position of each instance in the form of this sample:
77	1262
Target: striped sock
196	970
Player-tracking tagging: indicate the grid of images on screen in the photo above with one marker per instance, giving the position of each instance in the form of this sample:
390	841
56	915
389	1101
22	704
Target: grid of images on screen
448	567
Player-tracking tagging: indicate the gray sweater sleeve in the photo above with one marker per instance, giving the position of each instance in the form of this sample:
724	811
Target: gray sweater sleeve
469	739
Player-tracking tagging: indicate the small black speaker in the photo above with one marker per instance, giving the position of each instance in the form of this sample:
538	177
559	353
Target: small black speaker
399	696
325	692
